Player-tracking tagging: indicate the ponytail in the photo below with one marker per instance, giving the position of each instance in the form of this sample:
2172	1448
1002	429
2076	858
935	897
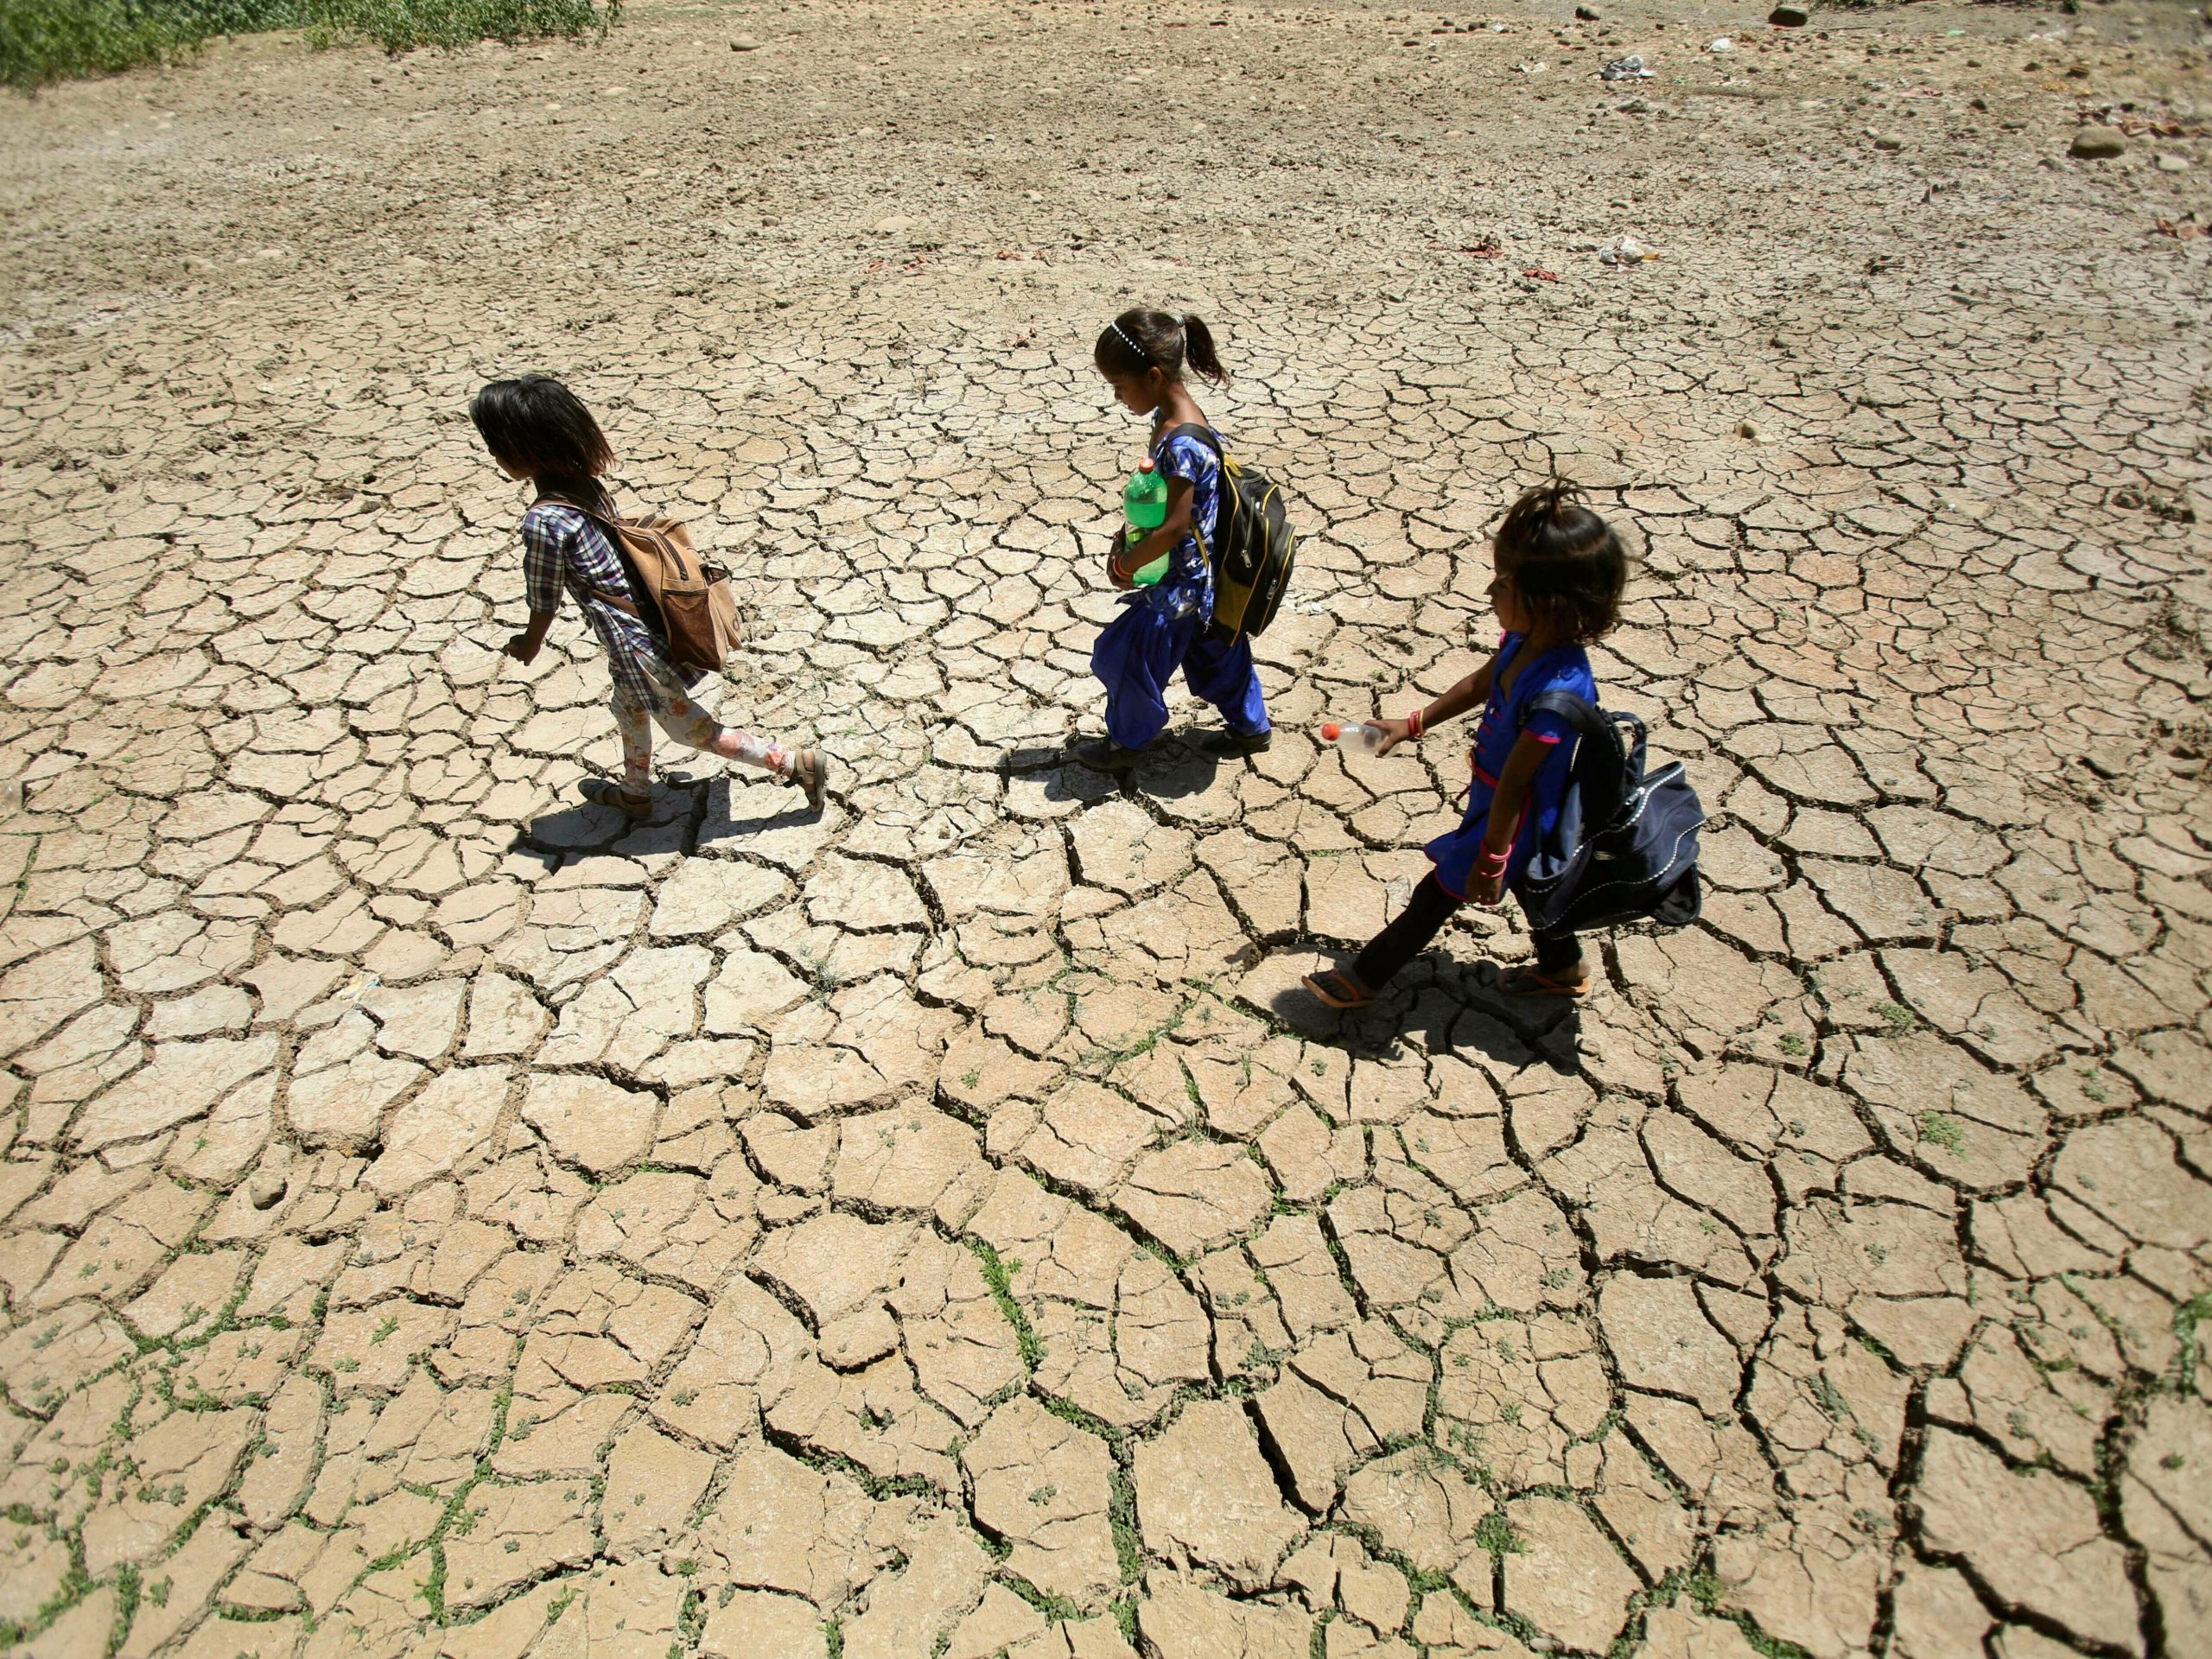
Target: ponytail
1199	351
1140	340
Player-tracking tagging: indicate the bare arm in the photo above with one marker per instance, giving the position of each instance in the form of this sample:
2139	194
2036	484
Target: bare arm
1471	693
1506	806
524	646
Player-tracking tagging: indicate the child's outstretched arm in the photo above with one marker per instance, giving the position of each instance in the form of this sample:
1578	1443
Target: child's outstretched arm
523	646
1487	884
1470	693
542	540
1125	563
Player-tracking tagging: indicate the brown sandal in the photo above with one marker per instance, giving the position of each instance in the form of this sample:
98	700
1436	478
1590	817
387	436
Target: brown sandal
1531	980
604	791
810	773
1337	989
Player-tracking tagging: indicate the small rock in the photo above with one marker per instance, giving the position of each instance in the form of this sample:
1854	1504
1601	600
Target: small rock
264	1190
1587	14
2172	163
2096	145
1789	17
1888	141
745	43
1748	430
892	225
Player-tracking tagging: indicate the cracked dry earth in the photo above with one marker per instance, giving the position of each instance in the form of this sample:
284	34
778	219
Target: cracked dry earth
438	1218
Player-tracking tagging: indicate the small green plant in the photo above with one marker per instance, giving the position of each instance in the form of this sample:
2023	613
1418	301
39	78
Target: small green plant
998	1276
1941	1131
1494	1534
1900	1017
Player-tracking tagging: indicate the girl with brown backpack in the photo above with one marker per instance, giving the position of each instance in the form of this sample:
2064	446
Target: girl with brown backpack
538	430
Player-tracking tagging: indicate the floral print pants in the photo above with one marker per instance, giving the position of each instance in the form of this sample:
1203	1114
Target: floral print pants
678	714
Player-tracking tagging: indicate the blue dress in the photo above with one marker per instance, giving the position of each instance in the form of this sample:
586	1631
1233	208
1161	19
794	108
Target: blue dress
1166	626
1562	668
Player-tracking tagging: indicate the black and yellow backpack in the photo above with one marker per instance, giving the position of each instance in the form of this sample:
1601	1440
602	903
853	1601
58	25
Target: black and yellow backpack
1254	547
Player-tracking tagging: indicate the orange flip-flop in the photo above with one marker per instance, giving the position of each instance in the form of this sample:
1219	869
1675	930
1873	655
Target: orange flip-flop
1531	981
1337	989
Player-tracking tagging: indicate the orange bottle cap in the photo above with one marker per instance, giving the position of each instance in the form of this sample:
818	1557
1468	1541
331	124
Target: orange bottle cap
1331	731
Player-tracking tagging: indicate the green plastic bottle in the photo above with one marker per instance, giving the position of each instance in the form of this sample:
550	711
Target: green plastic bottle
1144	504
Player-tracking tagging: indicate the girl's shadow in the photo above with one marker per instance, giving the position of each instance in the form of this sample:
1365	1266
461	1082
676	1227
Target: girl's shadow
1443	1008
741	810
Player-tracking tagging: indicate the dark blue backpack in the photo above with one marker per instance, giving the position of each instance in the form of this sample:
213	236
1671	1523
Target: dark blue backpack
1624	848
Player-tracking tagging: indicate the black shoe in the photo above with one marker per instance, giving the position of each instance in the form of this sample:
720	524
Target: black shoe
1104	754
1225	745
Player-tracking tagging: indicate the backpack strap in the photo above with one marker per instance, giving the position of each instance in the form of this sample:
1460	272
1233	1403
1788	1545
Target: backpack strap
1204	434
1578	712
613	525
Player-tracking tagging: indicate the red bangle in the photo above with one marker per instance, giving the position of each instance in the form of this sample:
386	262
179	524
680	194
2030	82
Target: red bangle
1413	723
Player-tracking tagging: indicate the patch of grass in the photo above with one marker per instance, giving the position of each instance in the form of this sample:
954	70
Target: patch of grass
46	40
403	25
1941	1131
1494	1534
1121	1517
1125	1618
2192	1314
998	1274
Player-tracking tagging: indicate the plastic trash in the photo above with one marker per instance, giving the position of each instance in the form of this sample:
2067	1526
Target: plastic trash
1724	44
1361	739
1626	251
1628	68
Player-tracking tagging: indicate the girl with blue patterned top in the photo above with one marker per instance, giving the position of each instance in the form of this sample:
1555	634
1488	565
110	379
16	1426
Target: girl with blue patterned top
1558	574
1169	625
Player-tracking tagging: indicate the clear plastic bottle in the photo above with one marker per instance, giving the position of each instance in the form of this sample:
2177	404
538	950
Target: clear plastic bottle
1144	505
1352	739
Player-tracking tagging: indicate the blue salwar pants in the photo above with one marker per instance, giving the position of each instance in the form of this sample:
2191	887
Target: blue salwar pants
1138	654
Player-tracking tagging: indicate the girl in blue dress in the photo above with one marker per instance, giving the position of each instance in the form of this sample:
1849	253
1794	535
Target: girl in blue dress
1161	628
1558	574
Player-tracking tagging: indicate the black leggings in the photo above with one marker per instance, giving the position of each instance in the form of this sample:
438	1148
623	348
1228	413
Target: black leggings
1423	916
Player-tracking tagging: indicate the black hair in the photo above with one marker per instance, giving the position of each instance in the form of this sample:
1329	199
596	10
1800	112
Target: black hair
1140	340
541	430
1566	566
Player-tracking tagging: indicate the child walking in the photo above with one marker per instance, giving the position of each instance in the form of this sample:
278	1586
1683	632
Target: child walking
1558	573
1143	355
538	430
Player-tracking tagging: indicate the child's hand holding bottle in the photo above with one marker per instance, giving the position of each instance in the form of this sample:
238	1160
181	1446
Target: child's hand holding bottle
1373	738
1144	509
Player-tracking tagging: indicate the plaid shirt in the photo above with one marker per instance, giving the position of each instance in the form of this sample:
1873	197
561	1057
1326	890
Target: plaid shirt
564	551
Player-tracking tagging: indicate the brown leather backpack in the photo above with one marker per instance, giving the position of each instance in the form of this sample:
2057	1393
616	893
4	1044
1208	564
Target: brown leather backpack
684	600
